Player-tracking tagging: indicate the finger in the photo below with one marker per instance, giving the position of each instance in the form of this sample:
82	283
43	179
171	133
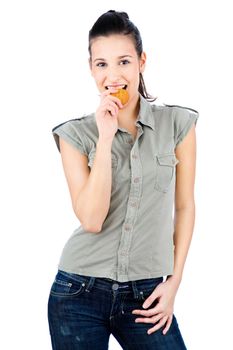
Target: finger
169	322
108	92
110	106
149	300
115	109
107	96
155	310
108	109
153	319
157	326
143	312
116	100
112	111
110	103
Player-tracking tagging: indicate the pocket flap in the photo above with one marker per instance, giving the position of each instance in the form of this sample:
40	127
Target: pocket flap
167	159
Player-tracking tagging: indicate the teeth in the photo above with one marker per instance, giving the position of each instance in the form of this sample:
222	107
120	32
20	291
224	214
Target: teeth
117	87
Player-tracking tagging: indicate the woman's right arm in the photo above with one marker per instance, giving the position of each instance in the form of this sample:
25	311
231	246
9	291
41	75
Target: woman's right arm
90	190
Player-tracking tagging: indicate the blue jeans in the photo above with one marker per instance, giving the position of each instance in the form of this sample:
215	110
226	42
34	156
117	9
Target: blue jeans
83	311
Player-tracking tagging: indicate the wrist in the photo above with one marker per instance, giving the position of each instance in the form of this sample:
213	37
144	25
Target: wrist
104	143
175	279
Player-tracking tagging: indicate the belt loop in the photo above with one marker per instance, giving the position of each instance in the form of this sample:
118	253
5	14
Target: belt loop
135	290
90	284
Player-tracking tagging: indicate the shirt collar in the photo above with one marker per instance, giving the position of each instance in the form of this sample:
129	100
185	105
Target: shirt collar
145	115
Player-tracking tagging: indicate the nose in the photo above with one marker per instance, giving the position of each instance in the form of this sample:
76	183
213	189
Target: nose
113	74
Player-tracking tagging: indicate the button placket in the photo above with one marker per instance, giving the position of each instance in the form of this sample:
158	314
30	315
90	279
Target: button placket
132	210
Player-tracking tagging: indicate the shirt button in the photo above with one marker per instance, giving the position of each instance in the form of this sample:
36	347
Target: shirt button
127	228
134	156
136	179
133	204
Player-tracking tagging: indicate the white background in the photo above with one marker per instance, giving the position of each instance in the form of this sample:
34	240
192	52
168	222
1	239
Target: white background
45	80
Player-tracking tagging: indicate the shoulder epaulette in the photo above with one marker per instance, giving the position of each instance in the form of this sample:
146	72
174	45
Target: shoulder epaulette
70	120
191	109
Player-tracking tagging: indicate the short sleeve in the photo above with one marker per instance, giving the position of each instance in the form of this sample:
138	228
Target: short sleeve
72	132
184	119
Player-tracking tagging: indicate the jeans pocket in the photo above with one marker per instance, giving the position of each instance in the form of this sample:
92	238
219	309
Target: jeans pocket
146	289
65	286
165	171
131	301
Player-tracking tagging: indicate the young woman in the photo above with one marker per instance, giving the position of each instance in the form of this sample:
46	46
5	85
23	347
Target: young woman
125	166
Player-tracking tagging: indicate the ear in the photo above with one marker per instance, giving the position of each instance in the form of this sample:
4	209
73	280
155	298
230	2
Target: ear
142	62
90	65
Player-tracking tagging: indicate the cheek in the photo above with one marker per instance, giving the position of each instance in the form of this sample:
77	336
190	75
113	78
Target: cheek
98	78
134	76
96	73
135	81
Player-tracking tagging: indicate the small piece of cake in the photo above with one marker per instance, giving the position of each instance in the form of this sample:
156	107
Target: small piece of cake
122	94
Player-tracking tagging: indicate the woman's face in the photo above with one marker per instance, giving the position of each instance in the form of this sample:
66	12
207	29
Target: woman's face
114	61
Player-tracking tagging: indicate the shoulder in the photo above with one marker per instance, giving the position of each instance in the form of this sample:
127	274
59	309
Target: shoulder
75	131
173	109
180	108
182	114
183	119
76	123
177	114
173	120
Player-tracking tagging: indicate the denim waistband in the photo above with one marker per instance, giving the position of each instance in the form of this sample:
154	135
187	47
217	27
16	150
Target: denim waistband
111	285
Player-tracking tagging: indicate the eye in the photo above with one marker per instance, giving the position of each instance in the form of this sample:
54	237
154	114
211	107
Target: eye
100	64
125	62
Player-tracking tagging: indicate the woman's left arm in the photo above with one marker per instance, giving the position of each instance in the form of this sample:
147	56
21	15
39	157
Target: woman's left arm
184	224
184	201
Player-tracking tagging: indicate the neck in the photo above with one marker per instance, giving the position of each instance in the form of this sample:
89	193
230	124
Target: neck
127	116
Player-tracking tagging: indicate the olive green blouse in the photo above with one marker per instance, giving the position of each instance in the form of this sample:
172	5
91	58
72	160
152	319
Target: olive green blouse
136	240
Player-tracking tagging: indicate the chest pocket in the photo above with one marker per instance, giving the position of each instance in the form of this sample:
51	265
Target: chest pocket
91	158
165	171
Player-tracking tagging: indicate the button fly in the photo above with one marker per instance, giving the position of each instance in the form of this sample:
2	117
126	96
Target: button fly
115	286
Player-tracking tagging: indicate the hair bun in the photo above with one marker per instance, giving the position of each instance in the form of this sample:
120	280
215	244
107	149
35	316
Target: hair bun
124	14
121	14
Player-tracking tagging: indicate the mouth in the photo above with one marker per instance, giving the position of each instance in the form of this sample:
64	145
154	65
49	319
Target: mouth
123	86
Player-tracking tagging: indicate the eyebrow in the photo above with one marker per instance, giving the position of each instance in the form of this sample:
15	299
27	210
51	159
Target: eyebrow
123	56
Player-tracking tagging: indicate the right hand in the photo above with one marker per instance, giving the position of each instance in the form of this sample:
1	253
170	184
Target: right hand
106	114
